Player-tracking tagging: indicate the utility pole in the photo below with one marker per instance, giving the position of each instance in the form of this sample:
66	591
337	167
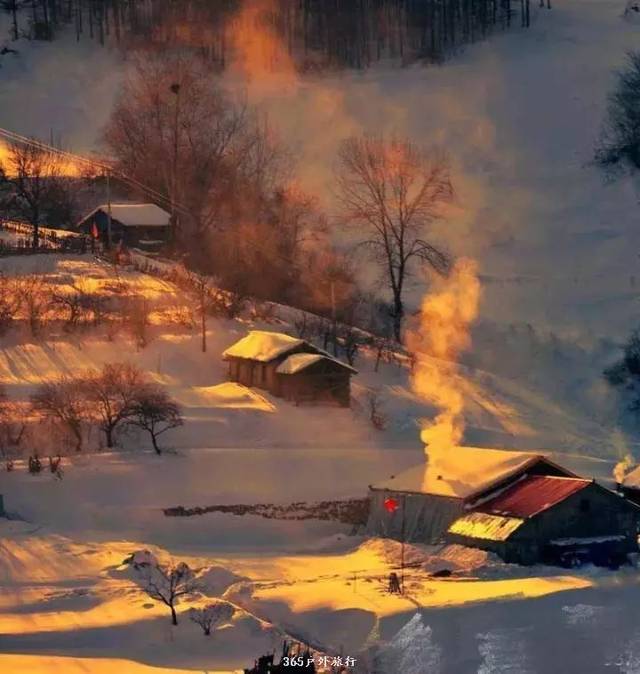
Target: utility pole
109	241
333	318
175	89
402	537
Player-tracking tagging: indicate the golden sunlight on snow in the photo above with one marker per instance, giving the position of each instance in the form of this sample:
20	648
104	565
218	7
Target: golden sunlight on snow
227	395
53	664
358	581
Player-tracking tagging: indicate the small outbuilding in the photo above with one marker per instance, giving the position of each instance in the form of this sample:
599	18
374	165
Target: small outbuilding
144	226
551	519
290	368
434	494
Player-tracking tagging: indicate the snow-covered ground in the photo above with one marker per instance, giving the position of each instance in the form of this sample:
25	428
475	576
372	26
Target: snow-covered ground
68	602
557	250
66	593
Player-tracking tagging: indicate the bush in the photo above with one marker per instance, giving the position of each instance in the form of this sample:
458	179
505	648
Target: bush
211	616
113	395
34	465
36	300
64	401
155	412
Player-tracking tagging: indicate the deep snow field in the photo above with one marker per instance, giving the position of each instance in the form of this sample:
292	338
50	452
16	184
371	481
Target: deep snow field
557	250
68	603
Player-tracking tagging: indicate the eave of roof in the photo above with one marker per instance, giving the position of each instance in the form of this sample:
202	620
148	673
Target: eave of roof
463	472
484	526
291	365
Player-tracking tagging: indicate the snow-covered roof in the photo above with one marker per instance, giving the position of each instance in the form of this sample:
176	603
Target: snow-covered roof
263	346
298	362
135	215
485	527
460	472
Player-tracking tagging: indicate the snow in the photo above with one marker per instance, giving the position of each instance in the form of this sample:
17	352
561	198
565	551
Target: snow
301	361
558	251
458	473
262	346
486	527
135	215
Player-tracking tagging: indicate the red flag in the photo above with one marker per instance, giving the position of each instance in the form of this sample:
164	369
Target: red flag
391	505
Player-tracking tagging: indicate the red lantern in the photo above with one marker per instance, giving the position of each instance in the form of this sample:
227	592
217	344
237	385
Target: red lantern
391	505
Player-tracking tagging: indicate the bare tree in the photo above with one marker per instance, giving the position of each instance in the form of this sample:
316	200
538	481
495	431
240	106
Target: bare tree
12	426
113	395
619	143
136	316
377	416
390	190
35	189
64	401
208	300
172	128
10	302
36	300
211	616
384	350
351	340
167	583
155	412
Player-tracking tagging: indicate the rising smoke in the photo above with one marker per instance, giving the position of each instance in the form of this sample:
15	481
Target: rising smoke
446	316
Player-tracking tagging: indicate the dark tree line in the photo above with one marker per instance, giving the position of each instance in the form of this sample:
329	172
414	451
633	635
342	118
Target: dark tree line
618	148
318	33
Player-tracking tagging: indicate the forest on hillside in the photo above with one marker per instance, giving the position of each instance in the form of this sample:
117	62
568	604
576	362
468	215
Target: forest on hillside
318	34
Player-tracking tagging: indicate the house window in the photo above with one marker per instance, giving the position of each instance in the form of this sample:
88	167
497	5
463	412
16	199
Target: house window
585	505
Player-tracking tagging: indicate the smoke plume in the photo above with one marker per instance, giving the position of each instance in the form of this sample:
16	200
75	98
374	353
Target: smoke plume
443	334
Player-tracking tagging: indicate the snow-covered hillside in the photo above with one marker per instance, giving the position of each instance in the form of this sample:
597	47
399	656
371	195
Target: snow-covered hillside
557	250
528	412
518	114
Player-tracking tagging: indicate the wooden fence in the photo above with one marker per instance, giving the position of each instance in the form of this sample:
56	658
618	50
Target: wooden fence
49	240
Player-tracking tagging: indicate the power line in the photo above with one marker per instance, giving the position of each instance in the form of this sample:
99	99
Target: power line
93	163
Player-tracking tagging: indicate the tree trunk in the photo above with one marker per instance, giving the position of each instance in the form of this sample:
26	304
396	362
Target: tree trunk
14	13
109	433
398	317
174	616
203	314
77	434
155	443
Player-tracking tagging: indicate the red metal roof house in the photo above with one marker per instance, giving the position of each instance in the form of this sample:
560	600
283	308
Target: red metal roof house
542	518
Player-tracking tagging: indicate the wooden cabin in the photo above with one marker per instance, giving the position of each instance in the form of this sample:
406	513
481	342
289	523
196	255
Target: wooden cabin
289	368
554	520
521	506
145	226
434	494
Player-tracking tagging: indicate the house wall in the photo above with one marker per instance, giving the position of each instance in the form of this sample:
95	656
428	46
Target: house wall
254	373
426	517
591	512
130	236
322	382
